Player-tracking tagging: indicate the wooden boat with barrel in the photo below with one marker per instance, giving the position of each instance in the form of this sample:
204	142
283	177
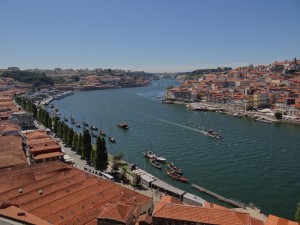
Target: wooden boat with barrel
177	176
123	125
172	167
154	163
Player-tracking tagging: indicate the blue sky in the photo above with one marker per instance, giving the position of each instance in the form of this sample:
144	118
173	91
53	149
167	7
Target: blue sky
154	36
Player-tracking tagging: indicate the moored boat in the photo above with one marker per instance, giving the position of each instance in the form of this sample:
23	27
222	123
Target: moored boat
102	133
123	125
111	139
78	125
174	168
92	127
150	155
177	176
213	134
93	134
85	124
154	163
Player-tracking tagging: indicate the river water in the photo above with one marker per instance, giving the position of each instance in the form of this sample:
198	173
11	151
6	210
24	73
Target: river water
254	162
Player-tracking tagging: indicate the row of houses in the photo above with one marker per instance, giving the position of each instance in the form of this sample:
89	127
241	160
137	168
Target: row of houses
247	87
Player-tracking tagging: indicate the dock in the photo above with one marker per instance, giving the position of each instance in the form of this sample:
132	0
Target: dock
219	197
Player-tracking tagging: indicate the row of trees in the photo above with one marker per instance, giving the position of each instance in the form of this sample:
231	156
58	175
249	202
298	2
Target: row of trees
81	143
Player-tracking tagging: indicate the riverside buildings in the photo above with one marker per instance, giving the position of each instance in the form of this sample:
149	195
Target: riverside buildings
276	86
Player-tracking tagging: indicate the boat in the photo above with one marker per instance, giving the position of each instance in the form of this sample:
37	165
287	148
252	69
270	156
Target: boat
259	119
111	139
213	134
66	119
93	134
177	176
123	125
93	127
166	101
102	133
78	125
85	124
150	155
174	168
52	105
154	163
72	121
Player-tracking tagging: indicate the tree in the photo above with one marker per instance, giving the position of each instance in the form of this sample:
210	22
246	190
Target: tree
65	134
297	215
74	142
34	111
79	145
45	118
70	137
278	115
124	176
50	123
116	161
101	156
136	179
86	143
55	127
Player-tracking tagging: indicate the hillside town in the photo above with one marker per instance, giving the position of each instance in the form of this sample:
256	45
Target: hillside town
75	79
41	184
265	88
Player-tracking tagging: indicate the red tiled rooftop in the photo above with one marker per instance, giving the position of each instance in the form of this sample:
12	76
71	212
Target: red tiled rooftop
48	155
200	214
20	215
62	194
11	151
274	220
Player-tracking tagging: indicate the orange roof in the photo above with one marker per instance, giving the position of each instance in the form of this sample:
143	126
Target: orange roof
48	155
61	194
200	214
20	215
274	220
36	134
11	151
118	212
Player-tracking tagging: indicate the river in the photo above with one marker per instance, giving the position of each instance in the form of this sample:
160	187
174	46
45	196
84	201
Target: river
254	162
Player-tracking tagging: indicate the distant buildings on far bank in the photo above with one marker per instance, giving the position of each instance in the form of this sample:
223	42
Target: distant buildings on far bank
275	86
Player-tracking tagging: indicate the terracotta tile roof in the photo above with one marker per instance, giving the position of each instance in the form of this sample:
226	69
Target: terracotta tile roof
145	218
117	212
274	220
20	215
35	134
256	221
61	194
48	155
169	199
41	141
11	151
200	214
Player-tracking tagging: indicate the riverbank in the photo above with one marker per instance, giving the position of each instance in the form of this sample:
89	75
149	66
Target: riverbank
259	115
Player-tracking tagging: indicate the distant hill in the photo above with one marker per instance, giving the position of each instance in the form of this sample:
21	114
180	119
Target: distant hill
201	72
37	79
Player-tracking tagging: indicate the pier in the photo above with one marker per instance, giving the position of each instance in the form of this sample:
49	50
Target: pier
219	197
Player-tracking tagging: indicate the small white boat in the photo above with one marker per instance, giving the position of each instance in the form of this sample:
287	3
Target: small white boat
151	155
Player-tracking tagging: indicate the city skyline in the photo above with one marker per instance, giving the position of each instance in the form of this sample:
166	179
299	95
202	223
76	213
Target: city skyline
169	36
